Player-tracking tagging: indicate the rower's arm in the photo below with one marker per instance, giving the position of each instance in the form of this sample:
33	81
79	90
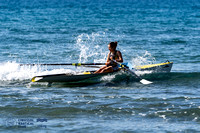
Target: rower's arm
120	57
108	60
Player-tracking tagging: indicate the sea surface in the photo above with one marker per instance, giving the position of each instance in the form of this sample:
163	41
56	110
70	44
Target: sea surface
78	31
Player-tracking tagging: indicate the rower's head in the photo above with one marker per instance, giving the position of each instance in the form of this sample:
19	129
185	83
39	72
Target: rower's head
112	46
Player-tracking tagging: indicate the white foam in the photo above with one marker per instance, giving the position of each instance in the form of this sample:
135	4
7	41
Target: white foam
108	78
143	72
13	71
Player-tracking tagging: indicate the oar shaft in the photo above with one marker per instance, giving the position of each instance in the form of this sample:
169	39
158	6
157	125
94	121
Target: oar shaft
143	81
63	64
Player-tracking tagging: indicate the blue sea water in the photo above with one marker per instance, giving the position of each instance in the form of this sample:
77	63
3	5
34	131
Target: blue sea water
69	31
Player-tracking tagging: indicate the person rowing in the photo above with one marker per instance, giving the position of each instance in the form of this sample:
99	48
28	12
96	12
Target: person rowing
114	54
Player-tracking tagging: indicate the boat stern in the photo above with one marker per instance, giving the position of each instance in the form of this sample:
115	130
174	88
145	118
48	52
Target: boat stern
156	68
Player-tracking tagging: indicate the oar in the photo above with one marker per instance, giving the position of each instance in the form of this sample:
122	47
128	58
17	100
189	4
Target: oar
143	81
63	64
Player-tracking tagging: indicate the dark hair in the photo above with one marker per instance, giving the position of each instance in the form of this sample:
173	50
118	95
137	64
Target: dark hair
113	44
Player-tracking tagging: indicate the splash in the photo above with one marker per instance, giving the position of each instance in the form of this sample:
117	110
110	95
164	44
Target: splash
108	78
10	71
145	59
92	47
119	76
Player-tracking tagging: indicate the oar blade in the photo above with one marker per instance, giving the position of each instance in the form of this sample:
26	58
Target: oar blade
146	82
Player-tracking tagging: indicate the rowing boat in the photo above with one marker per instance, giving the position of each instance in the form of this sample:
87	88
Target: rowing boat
66	77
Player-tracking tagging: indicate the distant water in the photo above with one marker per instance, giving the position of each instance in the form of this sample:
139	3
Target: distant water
65	31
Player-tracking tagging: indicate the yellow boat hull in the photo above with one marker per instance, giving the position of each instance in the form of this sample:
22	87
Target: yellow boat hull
156	68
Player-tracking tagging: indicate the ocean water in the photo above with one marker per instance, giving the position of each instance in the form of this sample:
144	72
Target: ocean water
69	31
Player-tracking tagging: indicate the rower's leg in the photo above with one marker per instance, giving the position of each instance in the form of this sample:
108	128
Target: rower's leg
107	70
99	71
